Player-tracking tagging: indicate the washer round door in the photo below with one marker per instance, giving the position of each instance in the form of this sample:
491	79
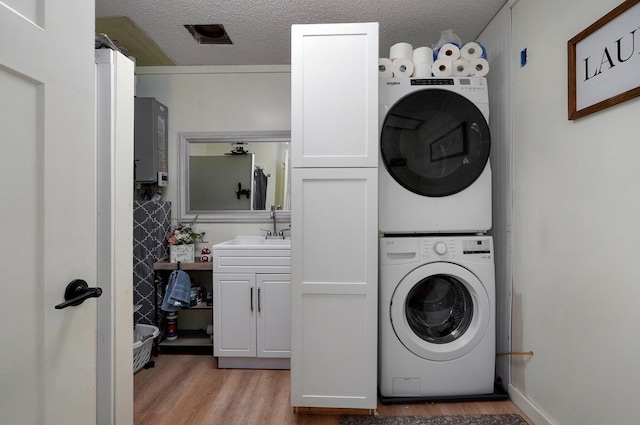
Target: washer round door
435	142
440	311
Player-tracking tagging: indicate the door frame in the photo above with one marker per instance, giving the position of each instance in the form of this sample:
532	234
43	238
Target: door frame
114	170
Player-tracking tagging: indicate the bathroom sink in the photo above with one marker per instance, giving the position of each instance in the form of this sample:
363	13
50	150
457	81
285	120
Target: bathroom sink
253	242
252	254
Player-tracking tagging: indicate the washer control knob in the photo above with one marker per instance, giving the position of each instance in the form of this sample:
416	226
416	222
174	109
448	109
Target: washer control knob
440	248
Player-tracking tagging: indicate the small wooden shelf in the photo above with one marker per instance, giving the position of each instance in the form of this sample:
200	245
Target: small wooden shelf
163	264
188	341
196	341
200	306
189	338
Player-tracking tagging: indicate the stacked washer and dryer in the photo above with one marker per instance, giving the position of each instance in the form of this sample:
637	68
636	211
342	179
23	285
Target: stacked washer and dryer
437	276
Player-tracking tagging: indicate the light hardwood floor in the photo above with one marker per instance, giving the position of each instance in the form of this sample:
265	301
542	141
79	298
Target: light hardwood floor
190	389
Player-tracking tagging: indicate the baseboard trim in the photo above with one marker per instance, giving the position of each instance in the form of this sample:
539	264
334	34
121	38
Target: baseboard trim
497	395
533	412
332	411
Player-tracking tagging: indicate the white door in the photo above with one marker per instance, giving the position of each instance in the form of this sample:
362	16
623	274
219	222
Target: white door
334	287
274	315
48	214
334	112
235	308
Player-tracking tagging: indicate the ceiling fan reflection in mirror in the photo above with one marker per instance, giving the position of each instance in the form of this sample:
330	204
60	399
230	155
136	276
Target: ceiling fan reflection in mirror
238	149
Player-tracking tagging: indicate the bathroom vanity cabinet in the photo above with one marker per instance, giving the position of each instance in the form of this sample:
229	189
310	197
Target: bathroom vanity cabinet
252	318
252	303
192	322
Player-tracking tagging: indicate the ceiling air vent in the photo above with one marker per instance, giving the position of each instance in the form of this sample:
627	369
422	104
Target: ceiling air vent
209	34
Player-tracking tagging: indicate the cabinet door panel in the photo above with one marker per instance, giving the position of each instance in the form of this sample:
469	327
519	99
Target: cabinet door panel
334	288
235	309
335	225
335	350
334	102
274	315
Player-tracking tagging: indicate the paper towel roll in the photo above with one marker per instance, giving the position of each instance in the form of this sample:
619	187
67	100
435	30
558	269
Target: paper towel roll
461	68
421	70
401	51
442	68
473	50
402	67
385	68
479	67
449	51
422	55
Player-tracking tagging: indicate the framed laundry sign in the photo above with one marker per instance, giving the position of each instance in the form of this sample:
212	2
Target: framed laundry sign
604	61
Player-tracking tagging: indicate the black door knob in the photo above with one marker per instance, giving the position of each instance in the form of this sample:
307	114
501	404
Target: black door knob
76	292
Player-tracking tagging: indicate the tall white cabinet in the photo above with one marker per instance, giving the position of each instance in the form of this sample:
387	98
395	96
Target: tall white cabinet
334	275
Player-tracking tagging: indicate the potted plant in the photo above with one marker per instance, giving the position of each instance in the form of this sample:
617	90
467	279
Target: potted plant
182	240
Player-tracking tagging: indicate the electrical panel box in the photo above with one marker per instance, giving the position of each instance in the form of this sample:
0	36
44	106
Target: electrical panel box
150	145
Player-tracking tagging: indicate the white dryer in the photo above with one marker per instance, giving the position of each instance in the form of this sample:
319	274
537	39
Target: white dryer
434	171
437	317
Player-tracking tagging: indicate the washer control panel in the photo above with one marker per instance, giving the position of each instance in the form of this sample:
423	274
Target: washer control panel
437	248
407	250
476	246
440	248
450	248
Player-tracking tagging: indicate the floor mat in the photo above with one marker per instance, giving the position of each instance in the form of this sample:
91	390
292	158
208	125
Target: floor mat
502	419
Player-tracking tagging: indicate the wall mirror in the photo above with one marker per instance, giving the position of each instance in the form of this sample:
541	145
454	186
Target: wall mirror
234	176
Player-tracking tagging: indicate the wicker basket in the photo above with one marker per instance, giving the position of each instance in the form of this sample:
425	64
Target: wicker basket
143	337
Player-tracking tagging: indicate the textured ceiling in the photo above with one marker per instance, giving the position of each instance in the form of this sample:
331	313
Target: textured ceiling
261	29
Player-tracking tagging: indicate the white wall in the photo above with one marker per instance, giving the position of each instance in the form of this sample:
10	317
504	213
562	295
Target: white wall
217	98
497	38
576	232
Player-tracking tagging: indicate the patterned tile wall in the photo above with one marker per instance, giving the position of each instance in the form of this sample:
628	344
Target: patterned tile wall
151	225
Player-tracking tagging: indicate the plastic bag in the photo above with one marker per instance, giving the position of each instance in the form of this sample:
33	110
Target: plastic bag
447	36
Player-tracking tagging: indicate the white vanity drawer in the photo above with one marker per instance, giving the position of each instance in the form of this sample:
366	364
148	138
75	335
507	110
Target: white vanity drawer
252	261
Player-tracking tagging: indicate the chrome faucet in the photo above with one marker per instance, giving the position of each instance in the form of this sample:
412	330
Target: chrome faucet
273	217
274	232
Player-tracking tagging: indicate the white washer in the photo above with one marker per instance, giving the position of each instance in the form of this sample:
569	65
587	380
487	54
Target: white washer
434	171
437	316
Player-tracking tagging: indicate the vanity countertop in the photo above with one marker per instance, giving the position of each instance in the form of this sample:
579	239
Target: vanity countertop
254	242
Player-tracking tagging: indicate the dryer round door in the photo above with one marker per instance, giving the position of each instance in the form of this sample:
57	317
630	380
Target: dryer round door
440	311
435	142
